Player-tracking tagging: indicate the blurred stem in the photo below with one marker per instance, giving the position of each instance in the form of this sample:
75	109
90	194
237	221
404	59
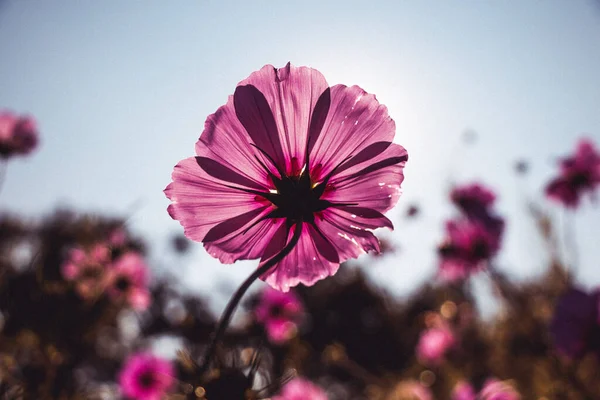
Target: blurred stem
571	259
3	168
237	296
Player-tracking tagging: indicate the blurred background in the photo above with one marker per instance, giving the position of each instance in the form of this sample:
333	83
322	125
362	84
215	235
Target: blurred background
121	90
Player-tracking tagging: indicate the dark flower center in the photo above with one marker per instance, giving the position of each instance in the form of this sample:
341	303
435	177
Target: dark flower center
480	249
146	379
580	179
297	198
122	284
276	311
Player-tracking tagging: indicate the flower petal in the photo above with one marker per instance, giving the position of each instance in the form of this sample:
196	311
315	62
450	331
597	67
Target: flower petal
292	94
354	122
201	201
304	264
375	185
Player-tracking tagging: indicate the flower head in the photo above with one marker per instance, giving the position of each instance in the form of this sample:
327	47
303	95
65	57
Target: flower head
86	268
579	173
575	328
128	281
18	134
146	377
301	389
463	391
494	389
468	247
289	153
280	314
434	343
473	199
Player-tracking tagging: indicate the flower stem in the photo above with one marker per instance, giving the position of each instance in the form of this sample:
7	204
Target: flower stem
239	293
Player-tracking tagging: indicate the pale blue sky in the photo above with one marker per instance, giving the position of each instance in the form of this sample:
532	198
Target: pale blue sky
121	90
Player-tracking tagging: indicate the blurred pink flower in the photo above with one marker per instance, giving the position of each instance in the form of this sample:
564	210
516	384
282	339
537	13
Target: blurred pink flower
468	248
579	174
127	281
463	391
87	268
146	377
433	345
494	389
287	152
473	199
301	389
18	134
280	314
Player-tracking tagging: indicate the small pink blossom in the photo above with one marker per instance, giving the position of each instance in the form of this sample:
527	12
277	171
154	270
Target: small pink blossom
18	134
87	268
494	389
473	199
290	155
468	248
127	281
463	391
579	174
280	314
146	377
434	343
301	389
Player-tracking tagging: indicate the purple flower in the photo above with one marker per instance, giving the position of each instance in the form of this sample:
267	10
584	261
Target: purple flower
18	134
494	389
301	389
579	174
433	345
127	281
280	314
468	247
575	328
146	377
473	199
463	391
287	152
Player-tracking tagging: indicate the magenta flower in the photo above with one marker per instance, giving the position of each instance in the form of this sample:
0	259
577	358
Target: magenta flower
494	389
87	268
301	389
280	313
433	345
18	135
127	281
289	153
468	248
579	174
146	377
463	391
473	199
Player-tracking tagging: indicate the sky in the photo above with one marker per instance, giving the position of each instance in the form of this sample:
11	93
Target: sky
121	89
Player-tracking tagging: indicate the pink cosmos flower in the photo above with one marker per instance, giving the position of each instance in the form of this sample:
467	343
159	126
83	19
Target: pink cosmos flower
146	377
86	268
463	391
433	345
468	247
495	389
287	152
579	174
473	199
18	135
280	313
127	281
301	389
